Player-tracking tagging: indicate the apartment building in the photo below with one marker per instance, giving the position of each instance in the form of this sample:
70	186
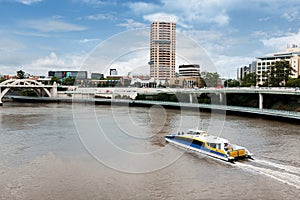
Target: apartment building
264	63
162	50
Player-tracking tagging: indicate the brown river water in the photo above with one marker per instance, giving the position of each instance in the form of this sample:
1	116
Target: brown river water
83	151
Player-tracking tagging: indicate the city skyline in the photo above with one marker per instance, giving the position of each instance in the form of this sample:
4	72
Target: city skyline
42	35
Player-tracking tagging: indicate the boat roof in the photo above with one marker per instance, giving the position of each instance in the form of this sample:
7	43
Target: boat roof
203	135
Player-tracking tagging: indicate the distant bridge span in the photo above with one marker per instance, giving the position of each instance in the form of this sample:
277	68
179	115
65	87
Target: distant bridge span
39	88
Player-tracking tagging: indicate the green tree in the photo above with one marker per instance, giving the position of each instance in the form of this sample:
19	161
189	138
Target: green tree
2	79
231	83
249	80
20	74
212	79
293	82
202	82
279	73
55	79
69	81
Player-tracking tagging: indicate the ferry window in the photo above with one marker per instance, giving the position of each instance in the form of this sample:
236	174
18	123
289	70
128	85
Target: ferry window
213	145
197	142
183	139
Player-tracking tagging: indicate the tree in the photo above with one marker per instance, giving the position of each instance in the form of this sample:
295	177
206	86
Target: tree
279	73
202	82
249	80
55	79
212	79
2	79
231	83
20	74
293	82
69	81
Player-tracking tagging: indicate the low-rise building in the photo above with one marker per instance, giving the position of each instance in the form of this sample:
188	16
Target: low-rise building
192	70
185	82
79	75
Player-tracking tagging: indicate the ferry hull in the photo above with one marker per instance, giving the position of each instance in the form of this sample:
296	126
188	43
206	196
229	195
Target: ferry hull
199	151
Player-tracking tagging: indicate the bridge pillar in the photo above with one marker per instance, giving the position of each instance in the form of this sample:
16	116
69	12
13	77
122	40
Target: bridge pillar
1	96
221	97
191	98
261	101
54	90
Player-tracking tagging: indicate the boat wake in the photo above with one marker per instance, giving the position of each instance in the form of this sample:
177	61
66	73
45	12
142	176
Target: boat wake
283	173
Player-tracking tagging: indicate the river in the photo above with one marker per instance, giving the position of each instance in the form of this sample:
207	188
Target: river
83	151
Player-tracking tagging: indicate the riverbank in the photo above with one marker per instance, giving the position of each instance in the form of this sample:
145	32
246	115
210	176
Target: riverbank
280	115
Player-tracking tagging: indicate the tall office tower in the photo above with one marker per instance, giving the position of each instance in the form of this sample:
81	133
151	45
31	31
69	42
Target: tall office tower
162	50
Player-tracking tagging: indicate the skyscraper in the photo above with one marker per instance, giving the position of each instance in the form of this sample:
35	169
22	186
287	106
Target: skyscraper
162	50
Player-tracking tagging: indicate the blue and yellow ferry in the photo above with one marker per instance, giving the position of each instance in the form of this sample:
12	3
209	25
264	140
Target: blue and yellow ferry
201	142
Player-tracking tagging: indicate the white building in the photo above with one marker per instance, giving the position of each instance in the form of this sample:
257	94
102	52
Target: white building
192	70
263	64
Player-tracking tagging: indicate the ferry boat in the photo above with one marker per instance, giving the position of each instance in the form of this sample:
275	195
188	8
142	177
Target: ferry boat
201	142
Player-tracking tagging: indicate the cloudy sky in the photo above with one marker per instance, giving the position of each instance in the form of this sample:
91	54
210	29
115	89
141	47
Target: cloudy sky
41	35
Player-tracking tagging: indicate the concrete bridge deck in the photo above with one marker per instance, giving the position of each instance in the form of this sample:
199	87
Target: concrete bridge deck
255	111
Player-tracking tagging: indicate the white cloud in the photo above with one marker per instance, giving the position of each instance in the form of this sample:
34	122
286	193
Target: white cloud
135	62
142	7
161	17
205	11
53	62
131	24
86	40
291	16
42	65
52	26
93	2
32	34
100	17
280	42
264	19
29	2
227	65
8	45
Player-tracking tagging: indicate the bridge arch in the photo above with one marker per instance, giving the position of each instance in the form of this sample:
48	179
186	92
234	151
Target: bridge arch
5	86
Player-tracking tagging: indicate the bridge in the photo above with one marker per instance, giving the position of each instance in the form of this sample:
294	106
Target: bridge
132	92
40	89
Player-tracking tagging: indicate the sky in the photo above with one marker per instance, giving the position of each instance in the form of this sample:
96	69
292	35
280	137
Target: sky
41	35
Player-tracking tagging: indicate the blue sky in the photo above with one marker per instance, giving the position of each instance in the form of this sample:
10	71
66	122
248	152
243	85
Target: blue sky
41	35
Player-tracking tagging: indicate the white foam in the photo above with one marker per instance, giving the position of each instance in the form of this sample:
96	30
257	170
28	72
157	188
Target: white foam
284	177
280	166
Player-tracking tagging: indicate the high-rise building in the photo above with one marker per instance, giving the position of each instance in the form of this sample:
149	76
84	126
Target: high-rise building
162	50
